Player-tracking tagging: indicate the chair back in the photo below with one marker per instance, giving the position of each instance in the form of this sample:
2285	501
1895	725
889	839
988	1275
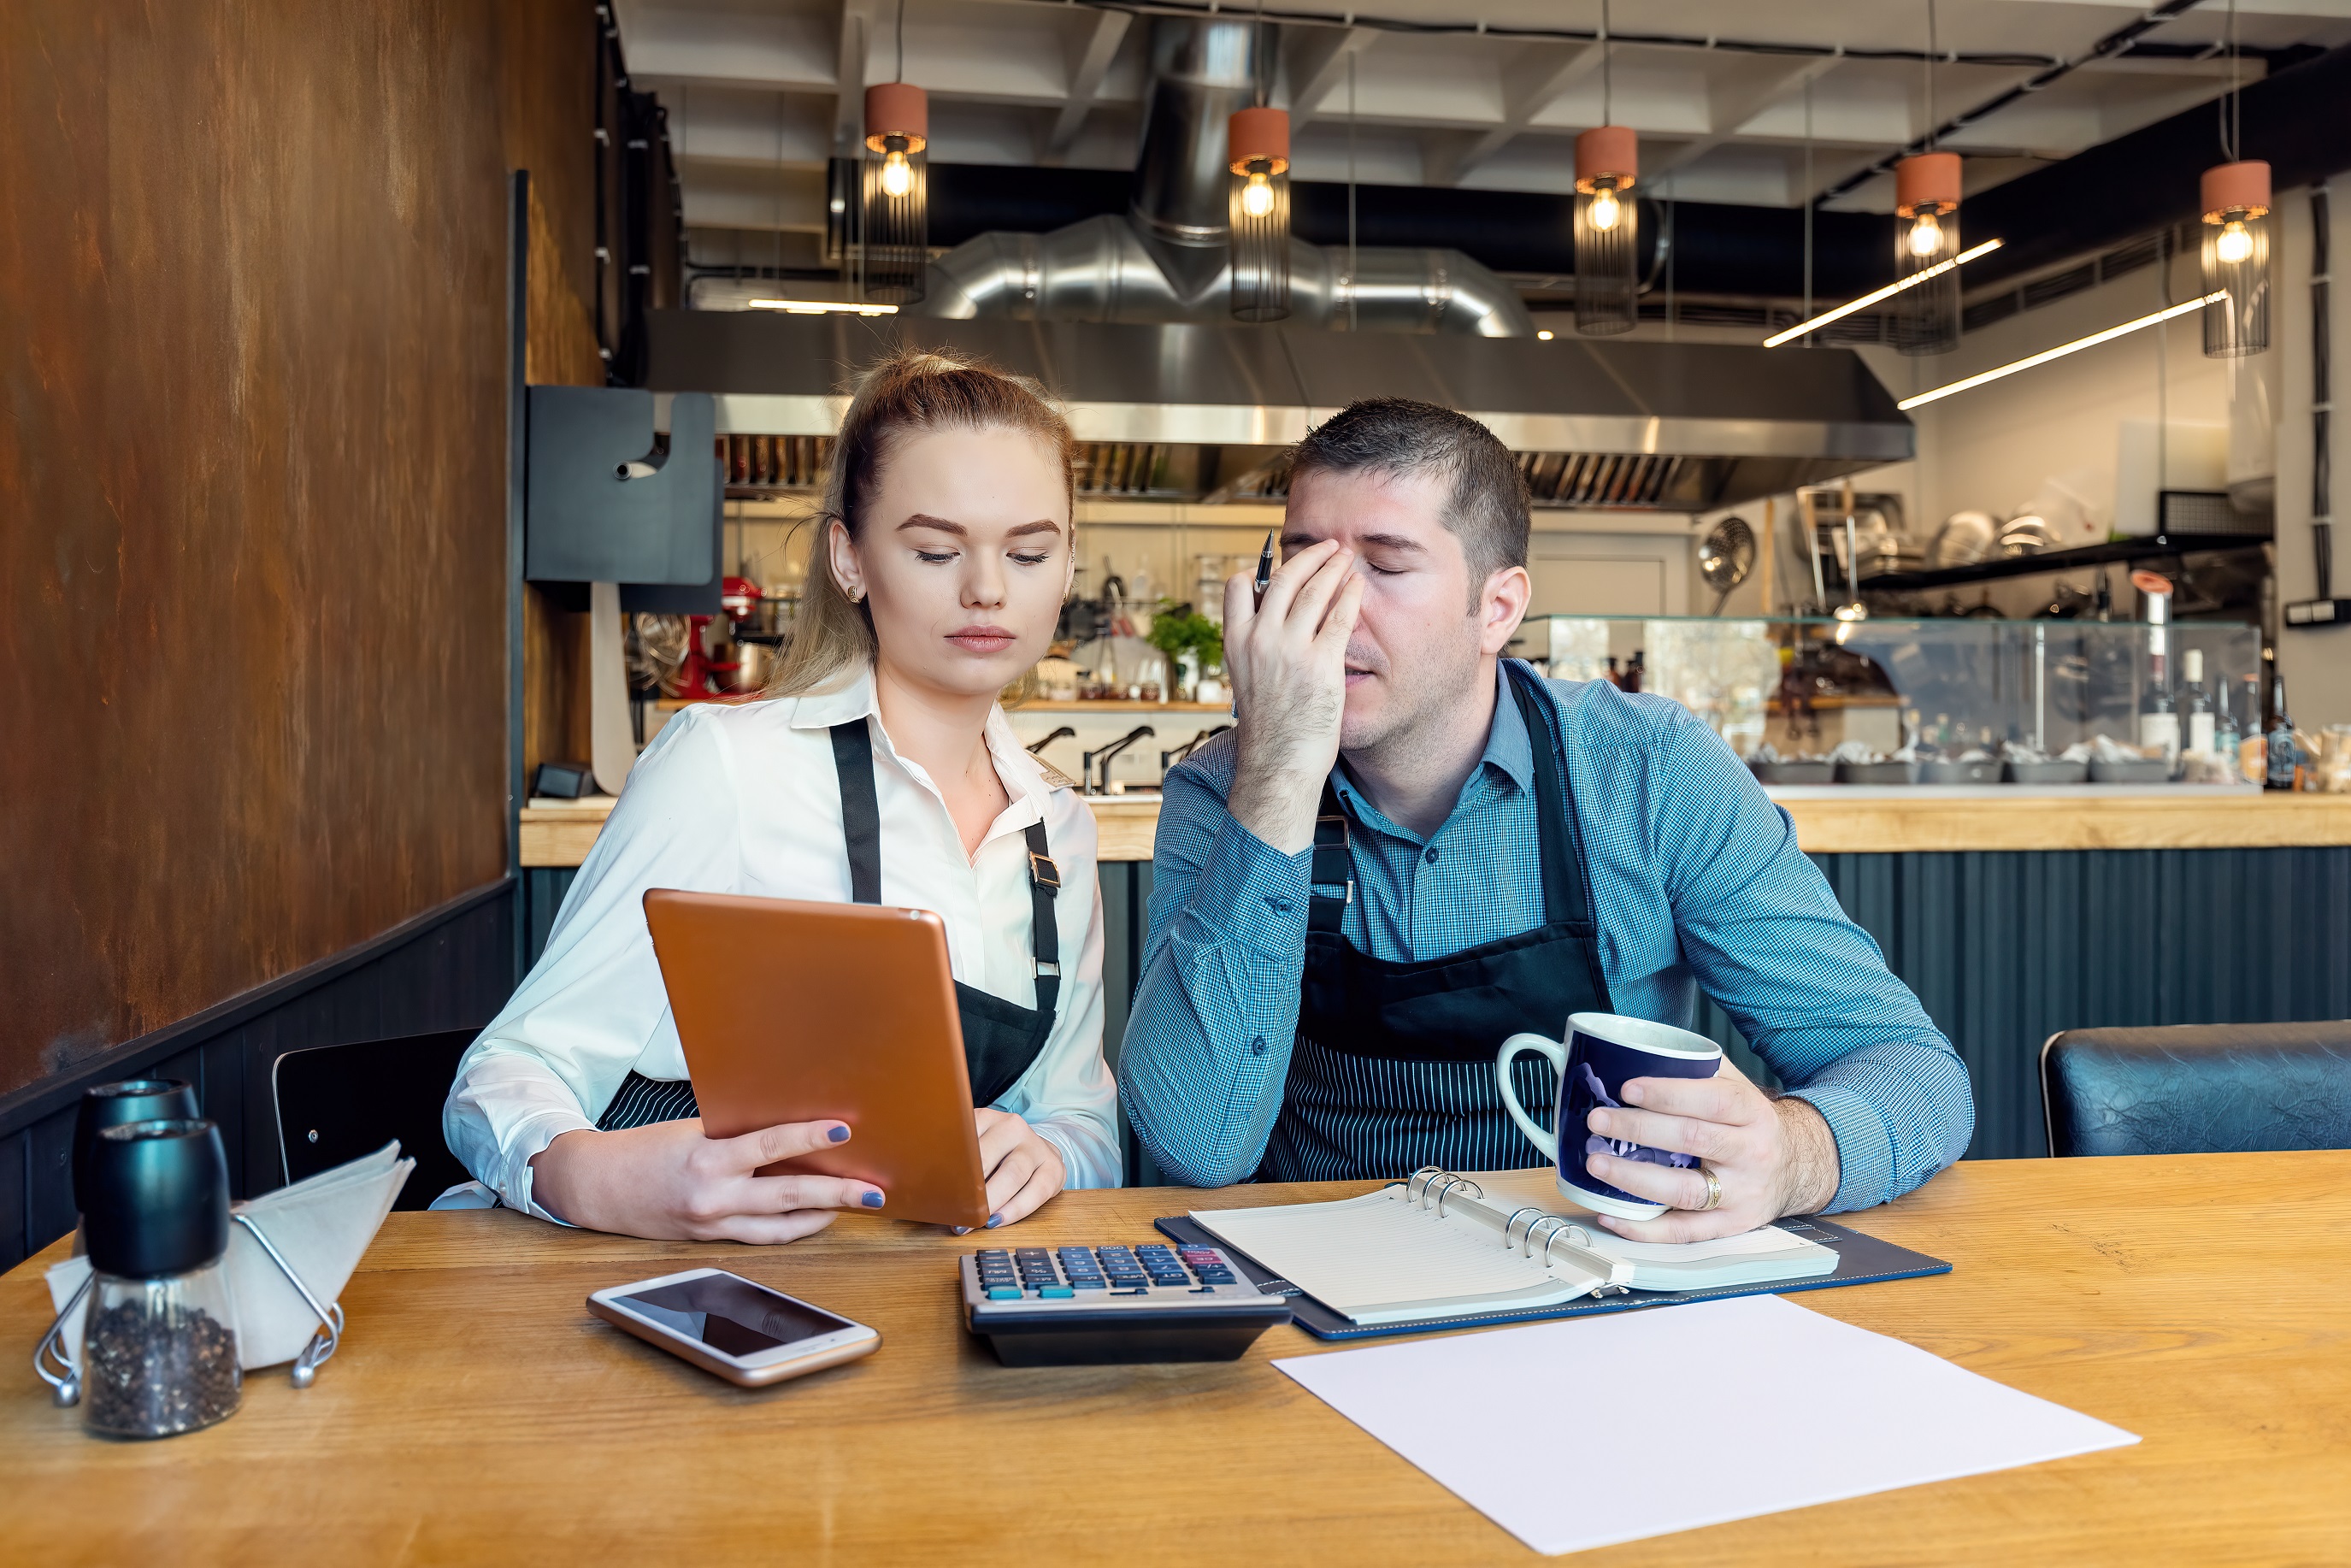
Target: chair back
336	1103
2198	1089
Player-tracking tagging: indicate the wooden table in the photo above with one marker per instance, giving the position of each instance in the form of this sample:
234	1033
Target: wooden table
478	1413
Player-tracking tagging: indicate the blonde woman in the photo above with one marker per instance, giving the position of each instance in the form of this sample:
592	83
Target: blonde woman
876	767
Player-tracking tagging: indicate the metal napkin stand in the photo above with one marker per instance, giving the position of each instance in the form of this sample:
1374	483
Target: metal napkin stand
65	1382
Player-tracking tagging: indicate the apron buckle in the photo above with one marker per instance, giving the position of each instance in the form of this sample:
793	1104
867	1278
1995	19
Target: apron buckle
1043	872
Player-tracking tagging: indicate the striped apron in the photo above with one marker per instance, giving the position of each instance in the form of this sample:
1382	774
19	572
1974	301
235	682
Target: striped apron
1393	1064
1001	1039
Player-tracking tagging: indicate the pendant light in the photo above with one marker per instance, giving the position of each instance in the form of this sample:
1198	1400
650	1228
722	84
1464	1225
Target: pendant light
894	198
1927	238
1607	217
2236	206
1257	141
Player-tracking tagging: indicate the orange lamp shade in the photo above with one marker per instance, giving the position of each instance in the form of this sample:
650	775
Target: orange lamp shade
2236	188
897	108
1607	152
1257	136
1929	180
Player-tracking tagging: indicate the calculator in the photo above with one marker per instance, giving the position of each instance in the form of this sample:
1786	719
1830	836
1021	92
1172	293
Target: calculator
1062	1306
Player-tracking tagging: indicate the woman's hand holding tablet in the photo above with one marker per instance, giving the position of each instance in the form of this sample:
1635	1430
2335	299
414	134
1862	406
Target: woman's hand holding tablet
667	1181
1023	1168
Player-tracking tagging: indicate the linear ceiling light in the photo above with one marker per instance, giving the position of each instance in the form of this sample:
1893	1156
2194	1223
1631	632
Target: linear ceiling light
1889	292
2059	353
823	308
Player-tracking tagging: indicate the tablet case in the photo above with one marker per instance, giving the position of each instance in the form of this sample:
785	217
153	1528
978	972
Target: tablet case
1861	1260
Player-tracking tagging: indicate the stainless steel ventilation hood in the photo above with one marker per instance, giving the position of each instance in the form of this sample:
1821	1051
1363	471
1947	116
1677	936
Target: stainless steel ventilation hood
1187	412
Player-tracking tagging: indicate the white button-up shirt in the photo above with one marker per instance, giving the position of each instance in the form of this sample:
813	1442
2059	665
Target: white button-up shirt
745	799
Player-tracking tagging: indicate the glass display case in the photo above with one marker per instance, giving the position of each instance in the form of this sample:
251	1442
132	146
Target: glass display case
1886	701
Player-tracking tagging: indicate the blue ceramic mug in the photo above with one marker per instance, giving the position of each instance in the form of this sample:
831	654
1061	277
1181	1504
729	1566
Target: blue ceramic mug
1601	1051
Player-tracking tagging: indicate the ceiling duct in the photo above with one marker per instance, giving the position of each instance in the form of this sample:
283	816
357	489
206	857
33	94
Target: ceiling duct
1205	413
1168	258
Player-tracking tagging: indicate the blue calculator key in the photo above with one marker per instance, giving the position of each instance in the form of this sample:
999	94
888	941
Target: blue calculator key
1090	1282
1056	1292
1005	1292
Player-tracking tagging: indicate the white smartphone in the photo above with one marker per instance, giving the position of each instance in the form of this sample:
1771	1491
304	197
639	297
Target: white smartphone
737	1328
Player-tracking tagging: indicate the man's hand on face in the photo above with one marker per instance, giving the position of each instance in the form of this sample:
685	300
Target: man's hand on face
1773	1157
1288	663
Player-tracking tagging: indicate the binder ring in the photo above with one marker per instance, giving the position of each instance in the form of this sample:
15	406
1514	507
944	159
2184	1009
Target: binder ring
1447	1190
1584	1238
1555	1221
1415	1186
1512	1223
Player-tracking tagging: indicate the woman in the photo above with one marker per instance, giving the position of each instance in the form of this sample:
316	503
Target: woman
937	579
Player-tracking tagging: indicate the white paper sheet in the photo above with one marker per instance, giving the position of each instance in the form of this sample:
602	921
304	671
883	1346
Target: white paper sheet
1587	1432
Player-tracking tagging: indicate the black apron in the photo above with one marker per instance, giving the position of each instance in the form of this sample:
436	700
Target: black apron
1393	1064
1000	1040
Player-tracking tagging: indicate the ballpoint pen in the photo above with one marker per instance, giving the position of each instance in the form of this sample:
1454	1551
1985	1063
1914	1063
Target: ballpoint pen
1264	573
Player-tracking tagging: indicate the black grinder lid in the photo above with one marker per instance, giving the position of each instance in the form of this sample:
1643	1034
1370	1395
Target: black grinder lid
157	1202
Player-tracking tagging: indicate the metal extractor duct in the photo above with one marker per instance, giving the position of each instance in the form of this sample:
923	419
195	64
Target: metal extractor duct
1205	413
1168	259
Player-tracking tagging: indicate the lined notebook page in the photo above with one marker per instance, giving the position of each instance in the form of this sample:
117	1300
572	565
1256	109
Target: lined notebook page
1372	1258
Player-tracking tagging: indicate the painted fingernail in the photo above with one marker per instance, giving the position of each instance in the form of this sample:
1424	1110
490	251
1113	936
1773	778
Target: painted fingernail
837	1134
959	1229
873	1200
994	1220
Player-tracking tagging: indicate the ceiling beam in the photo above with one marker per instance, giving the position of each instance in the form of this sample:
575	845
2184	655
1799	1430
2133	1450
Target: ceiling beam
1318	63
1092	64
1538	79
849	76
1737	107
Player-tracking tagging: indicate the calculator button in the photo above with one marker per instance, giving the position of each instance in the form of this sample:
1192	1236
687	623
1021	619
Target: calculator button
1005	1292
1056	1292
1216	1277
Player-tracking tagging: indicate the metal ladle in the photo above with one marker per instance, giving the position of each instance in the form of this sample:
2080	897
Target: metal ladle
1725	557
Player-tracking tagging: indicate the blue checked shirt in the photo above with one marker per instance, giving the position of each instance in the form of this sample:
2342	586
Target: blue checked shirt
1697	882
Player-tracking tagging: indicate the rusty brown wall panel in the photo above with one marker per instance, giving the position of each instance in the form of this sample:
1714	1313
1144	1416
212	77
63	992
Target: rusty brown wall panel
252	490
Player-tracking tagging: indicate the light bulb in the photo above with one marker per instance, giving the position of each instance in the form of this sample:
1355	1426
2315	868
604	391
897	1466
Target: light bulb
897	174
1926	235
1605	209
2234	244
1257	196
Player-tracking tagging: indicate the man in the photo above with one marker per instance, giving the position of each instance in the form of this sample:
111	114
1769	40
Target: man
1357	893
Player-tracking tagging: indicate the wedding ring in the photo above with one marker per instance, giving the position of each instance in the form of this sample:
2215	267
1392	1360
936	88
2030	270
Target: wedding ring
1713	1191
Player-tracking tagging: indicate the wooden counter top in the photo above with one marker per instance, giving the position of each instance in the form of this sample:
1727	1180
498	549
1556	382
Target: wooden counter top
1830	819
478	1413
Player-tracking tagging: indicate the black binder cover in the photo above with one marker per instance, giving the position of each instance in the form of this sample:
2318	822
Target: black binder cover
1861	1260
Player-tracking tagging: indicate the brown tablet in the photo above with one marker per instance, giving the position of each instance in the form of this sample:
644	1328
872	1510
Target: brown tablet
792	1011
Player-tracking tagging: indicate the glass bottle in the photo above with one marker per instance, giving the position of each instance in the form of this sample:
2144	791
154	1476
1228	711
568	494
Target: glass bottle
2198	722
2225	740
2282	753
159	1351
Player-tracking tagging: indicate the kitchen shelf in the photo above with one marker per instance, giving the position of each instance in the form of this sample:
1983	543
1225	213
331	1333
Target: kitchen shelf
2061	560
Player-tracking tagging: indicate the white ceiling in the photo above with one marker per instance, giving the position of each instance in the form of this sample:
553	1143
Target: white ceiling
759	92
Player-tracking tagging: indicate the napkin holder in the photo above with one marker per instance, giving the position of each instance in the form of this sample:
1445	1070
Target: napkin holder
290	1252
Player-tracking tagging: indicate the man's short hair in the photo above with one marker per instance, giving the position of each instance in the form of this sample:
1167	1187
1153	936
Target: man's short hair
1397	437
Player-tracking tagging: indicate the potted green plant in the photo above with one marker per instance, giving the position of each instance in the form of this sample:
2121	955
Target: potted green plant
1193	644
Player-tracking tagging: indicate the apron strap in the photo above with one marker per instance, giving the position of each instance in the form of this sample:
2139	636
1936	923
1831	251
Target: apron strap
1333	865
861	808
1044	931
1564	897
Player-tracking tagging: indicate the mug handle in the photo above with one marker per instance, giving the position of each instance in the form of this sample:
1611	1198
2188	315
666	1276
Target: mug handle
1557	1053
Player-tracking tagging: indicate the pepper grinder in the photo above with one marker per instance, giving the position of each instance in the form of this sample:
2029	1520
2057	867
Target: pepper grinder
159	1352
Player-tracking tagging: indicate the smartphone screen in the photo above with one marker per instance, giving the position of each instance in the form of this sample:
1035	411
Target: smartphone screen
732	1315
